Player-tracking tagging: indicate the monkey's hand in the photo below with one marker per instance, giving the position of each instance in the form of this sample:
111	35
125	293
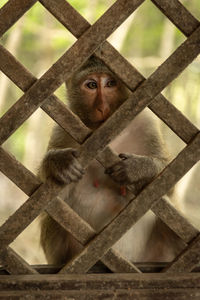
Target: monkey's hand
62	166
133	169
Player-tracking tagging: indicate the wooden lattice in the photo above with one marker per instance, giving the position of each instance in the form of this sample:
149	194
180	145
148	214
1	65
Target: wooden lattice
98	246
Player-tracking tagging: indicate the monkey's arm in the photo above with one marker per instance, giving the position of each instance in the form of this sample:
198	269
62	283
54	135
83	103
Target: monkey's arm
60	164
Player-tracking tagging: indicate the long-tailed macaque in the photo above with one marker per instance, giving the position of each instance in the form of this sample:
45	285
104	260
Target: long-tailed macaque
94	93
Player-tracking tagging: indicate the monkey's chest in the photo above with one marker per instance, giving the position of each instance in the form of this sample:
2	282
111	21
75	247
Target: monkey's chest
96	198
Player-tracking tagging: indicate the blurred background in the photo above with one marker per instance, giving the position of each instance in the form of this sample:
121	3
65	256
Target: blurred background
146	39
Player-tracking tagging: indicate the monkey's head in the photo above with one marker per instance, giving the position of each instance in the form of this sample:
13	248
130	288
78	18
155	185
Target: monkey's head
94	92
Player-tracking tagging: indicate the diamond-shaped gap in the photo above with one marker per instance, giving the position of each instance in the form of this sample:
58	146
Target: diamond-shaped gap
11	198
91	10
27	244
188	191
9	93
192	6
147	38
41	39
184	92
28	144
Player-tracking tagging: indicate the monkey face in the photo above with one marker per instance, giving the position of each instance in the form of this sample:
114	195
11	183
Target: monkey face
101	95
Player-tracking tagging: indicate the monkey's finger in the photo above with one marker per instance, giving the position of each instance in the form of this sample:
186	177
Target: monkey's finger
74	177
78	167
119	175
76	173
114	168
62	178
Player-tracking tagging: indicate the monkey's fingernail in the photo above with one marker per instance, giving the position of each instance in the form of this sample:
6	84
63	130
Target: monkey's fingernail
76	153
122	156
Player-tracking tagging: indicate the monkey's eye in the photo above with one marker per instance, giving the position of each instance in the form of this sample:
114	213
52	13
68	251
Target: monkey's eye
91	85
111	83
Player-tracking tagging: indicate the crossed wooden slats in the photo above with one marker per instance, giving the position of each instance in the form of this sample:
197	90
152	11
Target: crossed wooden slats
190	133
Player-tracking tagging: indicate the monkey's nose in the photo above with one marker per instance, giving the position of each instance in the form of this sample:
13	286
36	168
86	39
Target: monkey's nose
104	110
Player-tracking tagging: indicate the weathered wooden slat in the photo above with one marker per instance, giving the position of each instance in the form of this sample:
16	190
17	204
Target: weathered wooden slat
14	264
117	263
12	11
14	170
65	66
112	294
70	220
63	116
100	268
84	282
178	14
187	260
174	219
136	209
67	16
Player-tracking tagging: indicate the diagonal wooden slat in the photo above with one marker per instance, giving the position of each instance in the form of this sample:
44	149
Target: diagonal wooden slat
12	11
65	66
14	264
14	170
187	260
136	209
178	14
70	220
174	219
